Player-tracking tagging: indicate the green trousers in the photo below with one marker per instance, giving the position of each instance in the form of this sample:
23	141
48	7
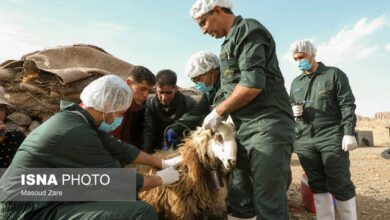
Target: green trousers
327	168
259	181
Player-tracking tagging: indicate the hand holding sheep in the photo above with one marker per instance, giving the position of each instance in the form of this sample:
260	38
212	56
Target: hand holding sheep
212	121
173	162
168	176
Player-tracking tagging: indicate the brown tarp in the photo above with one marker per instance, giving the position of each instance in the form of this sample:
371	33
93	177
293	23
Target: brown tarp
39	80
72	63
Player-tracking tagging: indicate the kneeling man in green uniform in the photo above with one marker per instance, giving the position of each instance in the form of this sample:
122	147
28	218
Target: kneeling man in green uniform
76	138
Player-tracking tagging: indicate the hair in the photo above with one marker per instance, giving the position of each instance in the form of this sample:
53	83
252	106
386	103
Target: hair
227	10
141	73
166	78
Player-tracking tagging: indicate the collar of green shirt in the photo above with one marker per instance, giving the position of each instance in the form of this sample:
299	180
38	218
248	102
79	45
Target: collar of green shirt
321	69
70	106
232	30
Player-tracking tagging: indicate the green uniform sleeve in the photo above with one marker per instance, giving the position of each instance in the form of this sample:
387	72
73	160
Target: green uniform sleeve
189	102
346	102
251	57
140	182
118	149
195	116
292	88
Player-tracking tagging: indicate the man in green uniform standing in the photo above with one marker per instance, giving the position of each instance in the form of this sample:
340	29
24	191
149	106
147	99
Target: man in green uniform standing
325	109
76	138
257	101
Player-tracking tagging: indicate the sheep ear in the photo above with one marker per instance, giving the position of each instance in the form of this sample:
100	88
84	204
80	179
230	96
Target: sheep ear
230	120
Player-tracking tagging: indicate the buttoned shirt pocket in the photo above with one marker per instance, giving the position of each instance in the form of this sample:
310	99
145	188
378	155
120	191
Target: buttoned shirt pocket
325	91
325	94
230	72
229	66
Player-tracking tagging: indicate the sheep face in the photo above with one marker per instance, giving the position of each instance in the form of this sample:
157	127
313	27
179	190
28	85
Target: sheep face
224	145
213	147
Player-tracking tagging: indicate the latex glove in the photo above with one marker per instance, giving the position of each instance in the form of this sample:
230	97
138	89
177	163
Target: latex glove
212	121
172	137
168	175
349	143
173	162
297	110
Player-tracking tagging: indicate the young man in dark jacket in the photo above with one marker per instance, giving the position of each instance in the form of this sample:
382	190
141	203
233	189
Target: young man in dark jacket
161	110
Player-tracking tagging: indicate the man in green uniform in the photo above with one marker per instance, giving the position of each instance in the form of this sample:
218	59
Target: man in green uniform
324	106
257	101
203	69
74	138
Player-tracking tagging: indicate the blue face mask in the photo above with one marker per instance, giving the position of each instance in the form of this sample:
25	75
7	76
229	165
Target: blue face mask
304	65
111	127
203	88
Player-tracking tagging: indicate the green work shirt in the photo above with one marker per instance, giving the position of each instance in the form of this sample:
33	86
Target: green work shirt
248	58
198	112
69	140
330	105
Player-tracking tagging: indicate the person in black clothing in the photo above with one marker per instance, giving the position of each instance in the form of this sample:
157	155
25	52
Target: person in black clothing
9	140
163	109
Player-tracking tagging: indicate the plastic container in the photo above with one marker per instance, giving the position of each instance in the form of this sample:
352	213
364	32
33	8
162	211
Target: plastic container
307	195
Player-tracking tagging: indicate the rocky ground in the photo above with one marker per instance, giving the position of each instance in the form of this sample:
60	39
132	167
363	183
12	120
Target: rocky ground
371	176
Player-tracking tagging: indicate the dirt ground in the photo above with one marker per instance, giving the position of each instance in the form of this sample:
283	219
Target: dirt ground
371	176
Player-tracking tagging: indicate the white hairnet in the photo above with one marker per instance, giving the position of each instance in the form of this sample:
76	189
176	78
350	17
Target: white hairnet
109	93
303	46
200	63
201	7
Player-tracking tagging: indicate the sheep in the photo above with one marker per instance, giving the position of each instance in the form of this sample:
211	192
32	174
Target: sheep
195	195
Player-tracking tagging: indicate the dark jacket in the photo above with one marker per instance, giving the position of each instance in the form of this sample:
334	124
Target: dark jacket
158	117
12	141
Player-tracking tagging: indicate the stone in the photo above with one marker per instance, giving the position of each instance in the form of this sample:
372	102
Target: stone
20	118
34	124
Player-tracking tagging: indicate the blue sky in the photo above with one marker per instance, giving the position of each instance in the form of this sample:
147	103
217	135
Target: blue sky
159	34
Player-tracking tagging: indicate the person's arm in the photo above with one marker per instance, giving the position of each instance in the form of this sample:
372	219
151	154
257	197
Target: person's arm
151	182
240	97
253	77
3	127
195	116
163	177
149	127
149	160
130	154
119	150
346	103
